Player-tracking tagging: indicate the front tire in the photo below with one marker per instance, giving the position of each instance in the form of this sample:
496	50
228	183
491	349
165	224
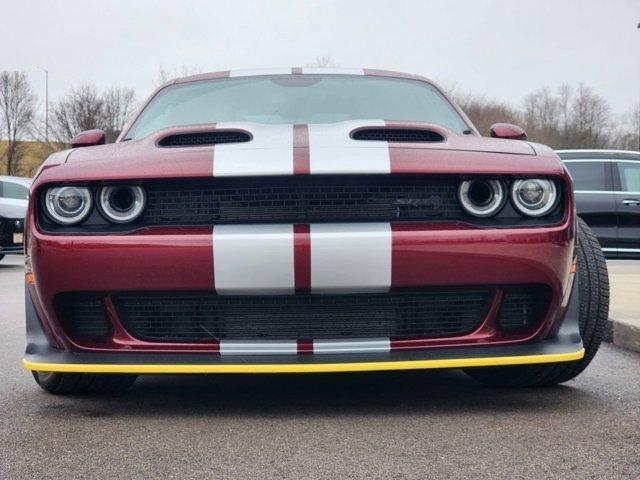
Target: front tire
78	383
593	284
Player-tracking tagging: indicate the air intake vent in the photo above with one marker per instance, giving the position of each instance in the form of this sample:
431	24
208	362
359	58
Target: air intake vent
400	135
517	311
204	138
84	318
177	317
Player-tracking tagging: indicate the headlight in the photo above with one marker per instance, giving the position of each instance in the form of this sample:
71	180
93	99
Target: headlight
534	197
481	198
122	203
68	205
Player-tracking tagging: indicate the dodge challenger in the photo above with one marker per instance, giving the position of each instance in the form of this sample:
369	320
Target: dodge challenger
307	220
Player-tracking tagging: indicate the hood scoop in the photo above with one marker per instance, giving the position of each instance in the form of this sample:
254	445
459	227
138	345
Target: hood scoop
200	139
397	135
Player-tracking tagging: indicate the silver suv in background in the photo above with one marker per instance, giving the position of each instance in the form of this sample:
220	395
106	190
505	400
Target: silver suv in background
607	192
14	195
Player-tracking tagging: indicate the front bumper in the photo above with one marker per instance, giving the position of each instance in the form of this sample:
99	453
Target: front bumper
181	260
565	346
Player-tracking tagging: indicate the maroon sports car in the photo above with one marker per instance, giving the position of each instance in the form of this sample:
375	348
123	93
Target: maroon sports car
307	220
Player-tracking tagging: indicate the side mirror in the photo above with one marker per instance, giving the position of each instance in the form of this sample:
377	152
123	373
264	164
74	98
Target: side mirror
88	138
507	131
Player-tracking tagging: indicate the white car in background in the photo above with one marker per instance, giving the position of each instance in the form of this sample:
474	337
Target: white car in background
14	195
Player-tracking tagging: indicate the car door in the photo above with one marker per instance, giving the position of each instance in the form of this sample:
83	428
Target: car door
13	199
595	199
627	186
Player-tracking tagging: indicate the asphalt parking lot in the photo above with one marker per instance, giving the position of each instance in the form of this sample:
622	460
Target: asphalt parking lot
376	425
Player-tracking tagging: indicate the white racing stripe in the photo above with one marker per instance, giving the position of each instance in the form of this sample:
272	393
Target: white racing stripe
253	259
270	152
333	71
262	347
259	71
332	150
350	258
365	345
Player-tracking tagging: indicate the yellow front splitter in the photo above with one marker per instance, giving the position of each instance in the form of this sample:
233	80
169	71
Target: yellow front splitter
143	369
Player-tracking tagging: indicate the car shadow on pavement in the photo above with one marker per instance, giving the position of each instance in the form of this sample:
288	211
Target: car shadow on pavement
277	396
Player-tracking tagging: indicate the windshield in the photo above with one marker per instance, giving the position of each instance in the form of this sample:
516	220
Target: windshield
296	99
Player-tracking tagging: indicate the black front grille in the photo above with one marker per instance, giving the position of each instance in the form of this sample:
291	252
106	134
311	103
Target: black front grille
204	138
85	319
400	135
518	310
207	317
303	199
8	227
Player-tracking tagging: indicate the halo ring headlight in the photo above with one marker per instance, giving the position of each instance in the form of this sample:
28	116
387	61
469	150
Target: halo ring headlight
122	203
534	197
68	204
481	198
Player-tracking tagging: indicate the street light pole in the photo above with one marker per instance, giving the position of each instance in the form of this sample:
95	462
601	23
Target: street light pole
46	101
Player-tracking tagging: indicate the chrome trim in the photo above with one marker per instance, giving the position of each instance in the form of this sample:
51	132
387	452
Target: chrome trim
114	216
607	192
78	216
621	250
496	203
599	160
632	152
551	195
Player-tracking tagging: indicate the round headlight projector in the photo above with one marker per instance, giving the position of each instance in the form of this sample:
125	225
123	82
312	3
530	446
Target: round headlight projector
534	197
481	198
68	205
121	203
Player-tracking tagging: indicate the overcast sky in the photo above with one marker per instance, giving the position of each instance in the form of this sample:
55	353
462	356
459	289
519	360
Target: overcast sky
503	48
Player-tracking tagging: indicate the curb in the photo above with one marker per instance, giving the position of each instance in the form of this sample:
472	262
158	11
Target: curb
623	334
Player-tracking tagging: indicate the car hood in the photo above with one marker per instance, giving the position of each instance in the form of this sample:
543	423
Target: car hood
314	149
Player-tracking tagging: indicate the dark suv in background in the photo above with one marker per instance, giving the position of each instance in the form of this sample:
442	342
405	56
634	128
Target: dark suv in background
607	192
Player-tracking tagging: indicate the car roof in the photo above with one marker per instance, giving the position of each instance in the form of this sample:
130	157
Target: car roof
26	181
298	71
597	153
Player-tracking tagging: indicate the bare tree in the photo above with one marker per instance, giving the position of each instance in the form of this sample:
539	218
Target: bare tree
326	61
568	119
164	75
17	106
119	104
542	116
81	109
485	112
590	125
627	135
84	109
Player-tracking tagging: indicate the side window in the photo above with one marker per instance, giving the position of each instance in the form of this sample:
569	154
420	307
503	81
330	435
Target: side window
588	175
629	176
14	191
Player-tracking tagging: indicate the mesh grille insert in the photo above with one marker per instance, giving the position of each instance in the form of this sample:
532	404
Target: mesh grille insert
204	138
518	310
401	135
206	317
85	319
302	199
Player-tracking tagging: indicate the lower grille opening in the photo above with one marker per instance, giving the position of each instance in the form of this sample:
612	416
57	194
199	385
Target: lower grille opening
85	319
206	317
518	311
